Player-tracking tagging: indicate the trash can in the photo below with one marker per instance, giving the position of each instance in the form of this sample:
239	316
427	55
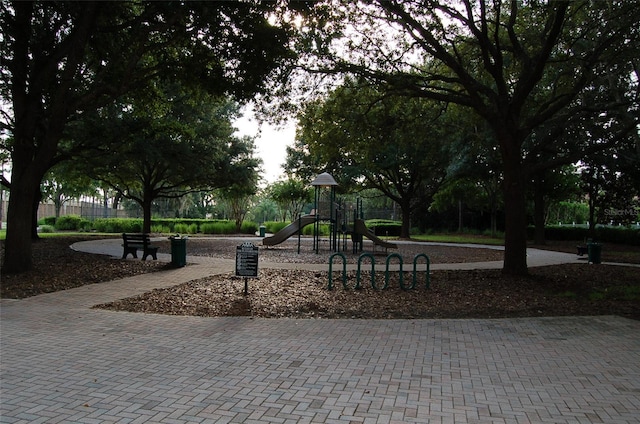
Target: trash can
178	250
263	231
595	251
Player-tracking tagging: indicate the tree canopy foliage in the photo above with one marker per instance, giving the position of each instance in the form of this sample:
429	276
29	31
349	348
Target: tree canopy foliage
61	60
555	81
291	195
367	140
518	65
183	141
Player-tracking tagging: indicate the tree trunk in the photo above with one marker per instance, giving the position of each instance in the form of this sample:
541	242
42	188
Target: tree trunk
28	167
146	216
405	229
116	200
515	239
17	255
105	204
58	204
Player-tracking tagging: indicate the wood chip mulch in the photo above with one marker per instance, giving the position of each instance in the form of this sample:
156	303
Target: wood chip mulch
572	289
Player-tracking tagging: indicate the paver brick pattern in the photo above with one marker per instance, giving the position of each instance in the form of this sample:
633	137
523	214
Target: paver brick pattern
62	362
102	366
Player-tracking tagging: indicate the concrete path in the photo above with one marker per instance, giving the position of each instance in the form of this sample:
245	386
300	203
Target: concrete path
535	257
62	362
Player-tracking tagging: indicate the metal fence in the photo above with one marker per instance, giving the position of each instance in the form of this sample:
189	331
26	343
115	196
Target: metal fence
87	210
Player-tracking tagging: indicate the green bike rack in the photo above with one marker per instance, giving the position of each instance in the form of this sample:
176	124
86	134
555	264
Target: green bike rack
344	270
415	272
386	272
373	269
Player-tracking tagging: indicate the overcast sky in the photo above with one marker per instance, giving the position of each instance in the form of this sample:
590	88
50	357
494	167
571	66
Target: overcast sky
271	143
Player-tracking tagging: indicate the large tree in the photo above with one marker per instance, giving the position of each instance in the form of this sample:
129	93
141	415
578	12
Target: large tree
182	142
63	59
291	195
369	140
516	64
237	198
64	183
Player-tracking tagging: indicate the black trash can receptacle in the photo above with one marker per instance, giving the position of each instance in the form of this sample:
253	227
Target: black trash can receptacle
178	250
595	252
263	231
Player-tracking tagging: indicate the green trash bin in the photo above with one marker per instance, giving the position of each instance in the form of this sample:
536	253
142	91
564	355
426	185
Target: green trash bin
595	251
263	231
178	250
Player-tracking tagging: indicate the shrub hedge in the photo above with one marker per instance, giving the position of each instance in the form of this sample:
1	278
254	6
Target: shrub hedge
274	226
44	228
118	225
184	228
68	223
323	229
134	225
249	227
48	220
384	227
218	227
621	235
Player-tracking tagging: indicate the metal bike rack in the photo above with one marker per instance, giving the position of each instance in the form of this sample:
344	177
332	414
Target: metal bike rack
373	269
344	270
386	271
415	271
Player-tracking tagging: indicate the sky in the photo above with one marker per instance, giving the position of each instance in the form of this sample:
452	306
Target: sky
271	144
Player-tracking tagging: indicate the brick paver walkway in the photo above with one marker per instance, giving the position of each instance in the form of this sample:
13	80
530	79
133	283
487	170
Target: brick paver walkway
62	362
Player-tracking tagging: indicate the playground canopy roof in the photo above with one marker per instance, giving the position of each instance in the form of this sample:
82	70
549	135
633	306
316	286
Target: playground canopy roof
324	179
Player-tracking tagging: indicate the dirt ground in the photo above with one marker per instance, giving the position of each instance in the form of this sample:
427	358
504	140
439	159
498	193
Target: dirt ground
573	289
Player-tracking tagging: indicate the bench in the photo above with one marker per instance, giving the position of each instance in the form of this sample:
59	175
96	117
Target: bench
133	242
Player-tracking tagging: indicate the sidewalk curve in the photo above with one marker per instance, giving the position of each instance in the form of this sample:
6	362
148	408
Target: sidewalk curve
535	257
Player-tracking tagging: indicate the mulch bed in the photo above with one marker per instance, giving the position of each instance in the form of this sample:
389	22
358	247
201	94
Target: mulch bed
572	289
575	289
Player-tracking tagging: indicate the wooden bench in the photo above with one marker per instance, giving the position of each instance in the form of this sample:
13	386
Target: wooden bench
133	242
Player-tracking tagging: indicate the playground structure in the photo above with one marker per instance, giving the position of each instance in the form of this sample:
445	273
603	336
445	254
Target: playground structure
334	212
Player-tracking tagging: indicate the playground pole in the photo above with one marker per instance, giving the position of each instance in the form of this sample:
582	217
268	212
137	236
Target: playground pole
299	231
316	223
324	180
333	227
